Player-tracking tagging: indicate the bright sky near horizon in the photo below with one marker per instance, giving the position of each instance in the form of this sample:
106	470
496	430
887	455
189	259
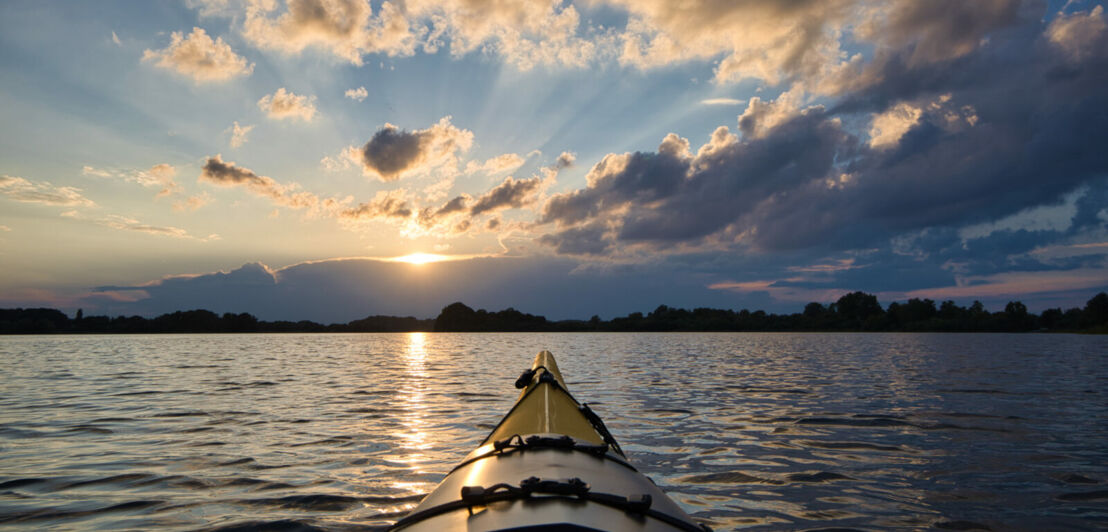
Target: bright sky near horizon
562	157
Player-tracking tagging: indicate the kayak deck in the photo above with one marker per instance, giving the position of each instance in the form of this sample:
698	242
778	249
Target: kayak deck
545	407
550	464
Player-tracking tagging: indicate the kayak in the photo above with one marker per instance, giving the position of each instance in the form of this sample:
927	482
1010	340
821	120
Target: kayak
550	464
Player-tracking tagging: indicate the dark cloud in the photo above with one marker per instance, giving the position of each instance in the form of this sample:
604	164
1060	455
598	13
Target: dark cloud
343	290
588	240
999	130
455	205
393	152
512	193
383	206
565	160
228	174
217	171
663	197
938	30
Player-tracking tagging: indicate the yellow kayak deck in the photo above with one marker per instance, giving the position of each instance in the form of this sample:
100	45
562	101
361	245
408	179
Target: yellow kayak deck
545	407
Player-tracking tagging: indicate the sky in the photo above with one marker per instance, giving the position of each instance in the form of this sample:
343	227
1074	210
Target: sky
333	159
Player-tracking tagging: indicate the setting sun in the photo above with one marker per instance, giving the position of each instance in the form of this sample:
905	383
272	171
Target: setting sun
421	258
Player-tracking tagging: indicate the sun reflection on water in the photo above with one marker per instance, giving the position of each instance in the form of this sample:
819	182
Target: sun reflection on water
414	437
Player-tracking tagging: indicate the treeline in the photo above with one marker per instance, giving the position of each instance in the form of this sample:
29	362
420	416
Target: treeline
46	320
856	311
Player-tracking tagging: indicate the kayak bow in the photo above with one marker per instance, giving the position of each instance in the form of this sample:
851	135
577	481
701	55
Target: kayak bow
550	464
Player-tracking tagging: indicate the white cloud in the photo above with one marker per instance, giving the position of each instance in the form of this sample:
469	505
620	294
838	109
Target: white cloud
200	58
43	192
88	170
523	34
126	223
191	203
771	41
160	175
345	28
115	39
359	94
722	101
1078	34
284	104
508	162
888	127
760	116
337	163
238	134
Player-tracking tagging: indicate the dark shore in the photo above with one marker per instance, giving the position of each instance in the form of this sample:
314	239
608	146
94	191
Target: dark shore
856	311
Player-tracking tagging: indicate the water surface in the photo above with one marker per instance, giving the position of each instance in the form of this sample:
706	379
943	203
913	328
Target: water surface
745	431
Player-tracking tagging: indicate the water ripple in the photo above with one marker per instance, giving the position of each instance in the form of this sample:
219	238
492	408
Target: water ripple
344	432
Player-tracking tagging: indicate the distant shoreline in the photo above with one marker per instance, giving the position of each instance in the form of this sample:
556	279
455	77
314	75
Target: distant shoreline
854	312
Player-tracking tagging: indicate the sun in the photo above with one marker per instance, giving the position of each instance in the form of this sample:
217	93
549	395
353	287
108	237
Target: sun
421	258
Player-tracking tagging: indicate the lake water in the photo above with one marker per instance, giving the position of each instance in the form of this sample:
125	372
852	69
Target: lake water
750	431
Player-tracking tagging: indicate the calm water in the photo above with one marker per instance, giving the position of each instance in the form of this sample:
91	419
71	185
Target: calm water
753	431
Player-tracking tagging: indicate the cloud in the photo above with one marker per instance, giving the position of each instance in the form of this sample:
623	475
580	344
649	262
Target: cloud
458	204
125	223
504	163
200	58
157	176
88	170
1015	285
722	101
888	127
284	104
228	174
781	291
42	192
386	204
115	39
341	290
511	193
393	153
238	134
938	30
345	28
565	160
359	94
1079	34
761	116
584	240
801	179
523	34
771	41
336	164
192	203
